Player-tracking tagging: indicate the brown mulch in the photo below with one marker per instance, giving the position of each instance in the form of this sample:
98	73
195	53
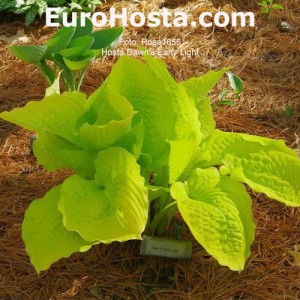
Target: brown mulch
268	60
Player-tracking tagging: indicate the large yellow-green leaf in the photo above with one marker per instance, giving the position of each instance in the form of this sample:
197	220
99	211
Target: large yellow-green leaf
219	143
54	153
46	239
238	194
218	213
132	141
181	154
114	206
114	107
187	126
206	117
198	89
147	94
112	121
56	114
266	165
271	172
99	137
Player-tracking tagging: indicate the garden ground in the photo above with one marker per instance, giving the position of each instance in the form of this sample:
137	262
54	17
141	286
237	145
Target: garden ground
267	58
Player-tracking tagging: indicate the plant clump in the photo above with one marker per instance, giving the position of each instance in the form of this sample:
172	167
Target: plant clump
143	146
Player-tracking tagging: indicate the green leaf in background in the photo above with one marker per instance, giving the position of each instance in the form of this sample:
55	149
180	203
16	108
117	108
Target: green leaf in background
155	191
220	219
277	6
77	47
60	40
83	30
114	207
106	38
235	82
46	239
227	102
76	65
29	54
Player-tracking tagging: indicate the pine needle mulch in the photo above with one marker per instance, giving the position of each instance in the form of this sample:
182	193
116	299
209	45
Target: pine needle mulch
268	60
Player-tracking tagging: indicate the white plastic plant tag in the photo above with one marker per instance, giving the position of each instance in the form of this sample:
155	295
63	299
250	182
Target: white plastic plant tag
166	248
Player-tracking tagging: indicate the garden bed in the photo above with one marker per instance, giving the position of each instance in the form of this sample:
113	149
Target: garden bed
267	58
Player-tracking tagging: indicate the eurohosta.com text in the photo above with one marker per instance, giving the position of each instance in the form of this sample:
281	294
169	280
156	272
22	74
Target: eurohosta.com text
163	17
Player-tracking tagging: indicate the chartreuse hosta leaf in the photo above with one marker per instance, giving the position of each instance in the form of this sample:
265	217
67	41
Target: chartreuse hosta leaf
198	88
181	153
114	206
273	173
187	126
54	153
132	141
148	96
220	142
56	114
266	165
218	213
46	239
111	123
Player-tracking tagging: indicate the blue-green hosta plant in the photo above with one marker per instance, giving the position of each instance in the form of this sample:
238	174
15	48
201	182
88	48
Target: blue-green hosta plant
141	147
69	52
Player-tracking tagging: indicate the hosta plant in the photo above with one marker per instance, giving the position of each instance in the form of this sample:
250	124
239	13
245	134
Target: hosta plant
69	52
141	147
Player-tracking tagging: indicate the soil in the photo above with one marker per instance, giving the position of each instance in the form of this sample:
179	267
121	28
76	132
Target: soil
267	59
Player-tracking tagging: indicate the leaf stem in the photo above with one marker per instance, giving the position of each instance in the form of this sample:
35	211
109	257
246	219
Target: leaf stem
45	73
164	212
80	78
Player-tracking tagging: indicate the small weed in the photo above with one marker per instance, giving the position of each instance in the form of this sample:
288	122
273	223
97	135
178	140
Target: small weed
267	6
288	111
237	86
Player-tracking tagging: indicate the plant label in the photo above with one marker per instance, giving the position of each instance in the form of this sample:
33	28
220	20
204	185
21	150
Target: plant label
166	248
